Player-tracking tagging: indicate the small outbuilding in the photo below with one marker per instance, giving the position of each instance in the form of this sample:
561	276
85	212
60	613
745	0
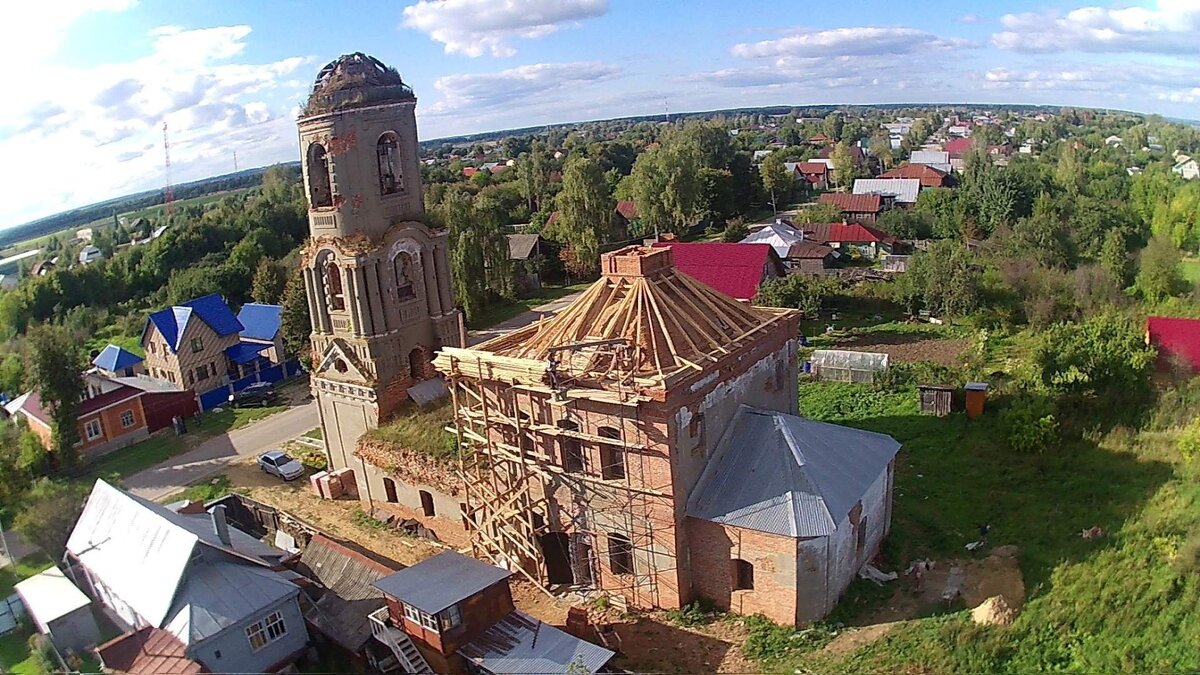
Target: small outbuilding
60	610
936	399
841	365
792	508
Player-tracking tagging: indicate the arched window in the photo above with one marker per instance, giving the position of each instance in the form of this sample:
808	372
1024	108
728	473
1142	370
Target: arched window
427	503
612	456
387	152
404	276
571	448
333	286
743	575
319	191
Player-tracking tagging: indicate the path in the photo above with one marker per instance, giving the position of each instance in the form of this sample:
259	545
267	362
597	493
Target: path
211	456
523	319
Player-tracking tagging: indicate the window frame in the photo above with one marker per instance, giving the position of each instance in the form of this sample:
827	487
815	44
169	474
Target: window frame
743	574
87	429
197	344
132	419
450	618
620	554
271	628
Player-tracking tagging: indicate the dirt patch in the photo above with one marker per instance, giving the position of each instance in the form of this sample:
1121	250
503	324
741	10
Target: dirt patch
910	348
650	643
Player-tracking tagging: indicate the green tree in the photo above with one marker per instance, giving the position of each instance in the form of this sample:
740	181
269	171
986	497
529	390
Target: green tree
585	209
1160	274
295	321
944	209
1151	188
844	168
55	364
1114	258
775	178
48	514
533	175
945	279
666	186
735	231
1179	219
12	374
906	224
833	125
796	291
1069	173
269	279
881	150
1105	355
819	213
714	147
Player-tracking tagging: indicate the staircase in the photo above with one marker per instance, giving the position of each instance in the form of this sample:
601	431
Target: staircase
398	641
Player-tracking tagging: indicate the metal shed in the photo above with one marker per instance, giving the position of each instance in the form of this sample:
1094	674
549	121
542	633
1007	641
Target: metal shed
847	366
60	610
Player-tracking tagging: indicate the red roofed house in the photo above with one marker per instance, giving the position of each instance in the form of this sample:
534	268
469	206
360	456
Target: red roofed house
958	148
856	152
1177	340
928	175
855	208
108	421
816	174
737	270
844	236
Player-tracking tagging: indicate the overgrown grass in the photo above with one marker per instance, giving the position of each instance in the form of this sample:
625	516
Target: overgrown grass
16	656
141	456
1191	270
503	311
422	430
367	521
1123	603
696	613
211	489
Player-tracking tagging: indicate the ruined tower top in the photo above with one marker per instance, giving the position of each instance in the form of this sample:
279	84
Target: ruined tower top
636	261
353	81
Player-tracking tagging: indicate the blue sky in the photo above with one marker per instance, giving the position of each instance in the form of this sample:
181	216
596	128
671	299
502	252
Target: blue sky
92	81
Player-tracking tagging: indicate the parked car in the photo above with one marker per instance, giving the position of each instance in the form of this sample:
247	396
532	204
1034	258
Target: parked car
260	394
278	463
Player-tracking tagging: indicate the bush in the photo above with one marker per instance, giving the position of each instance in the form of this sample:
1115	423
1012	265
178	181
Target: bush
1189	441
1187	558
899	376
698	613
735	230
1030	422
767	640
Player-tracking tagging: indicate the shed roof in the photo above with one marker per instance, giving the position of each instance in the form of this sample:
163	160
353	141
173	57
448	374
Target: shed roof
245	352
809	250
733	269
113	358
904	190
340	608
788	475
260	322
211	309
148	651
522	246
780	236
441	581
50	595
521	644
853	203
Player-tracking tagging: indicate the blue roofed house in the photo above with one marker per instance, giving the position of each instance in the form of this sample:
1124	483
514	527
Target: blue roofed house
199	590
115	361
195	344
261	326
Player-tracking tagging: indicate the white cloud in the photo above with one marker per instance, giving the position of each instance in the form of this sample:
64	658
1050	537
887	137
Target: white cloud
478	27
971	18
88	133
1169	27
861	41
35	29
531	83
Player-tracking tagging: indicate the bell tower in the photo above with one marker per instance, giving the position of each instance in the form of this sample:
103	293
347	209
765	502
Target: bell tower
377	276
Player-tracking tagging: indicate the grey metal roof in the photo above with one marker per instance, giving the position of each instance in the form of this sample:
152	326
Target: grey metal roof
217	594
521	246
519	643
346	596
788	475
905	190
443	580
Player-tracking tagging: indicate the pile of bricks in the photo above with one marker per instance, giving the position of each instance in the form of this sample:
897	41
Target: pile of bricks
335	485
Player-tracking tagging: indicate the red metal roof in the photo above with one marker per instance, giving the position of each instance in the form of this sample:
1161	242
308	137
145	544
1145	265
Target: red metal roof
627	208
958	146
928	175
854	233
733	269
1176	337
149	651
33	404
853	203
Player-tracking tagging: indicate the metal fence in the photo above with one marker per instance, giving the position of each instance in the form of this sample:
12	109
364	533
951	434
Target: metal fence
214	398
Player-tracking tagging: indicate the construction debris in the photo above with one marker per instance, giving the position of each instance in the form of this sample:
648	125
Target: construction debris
995	611
873	574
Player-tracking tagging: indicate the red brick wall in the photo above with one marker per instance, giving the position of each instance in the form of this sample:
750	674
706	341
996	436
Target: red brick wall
713	548
110	423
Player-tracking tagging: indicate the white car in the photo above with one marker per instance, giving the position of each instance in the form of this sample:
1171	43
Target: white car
280	464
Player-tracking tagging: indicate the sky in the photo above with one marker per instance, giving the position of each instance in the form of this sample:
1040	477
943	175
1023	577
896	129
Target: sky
91	82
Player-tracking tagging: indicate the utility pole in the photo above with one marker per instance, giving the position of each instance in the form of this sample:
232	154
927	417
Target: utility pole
168	191
235	161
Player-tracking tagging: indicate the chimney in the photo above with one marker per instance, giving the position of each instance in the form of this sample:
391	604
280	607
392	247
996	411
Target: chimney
220	524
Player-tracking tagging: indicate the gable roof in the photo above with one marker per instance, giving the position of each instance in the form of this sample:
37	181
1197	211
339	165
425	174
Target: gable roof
780	236
733	269
958	146
347	594
522	246
930	176
120	536
904	190
853	203
628	209
809	250
441	581
1177	337
788	475
217	594
113	358
260	322
812	167
211	309
824	233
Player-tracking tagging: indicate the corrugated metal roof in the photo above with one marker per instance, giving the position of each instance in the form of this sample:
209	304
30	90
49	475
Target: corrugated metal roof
905	190
779	236
788	475
443	580
217	594
260	322
340	608
50	595
245	352
519	643
114	358
930	157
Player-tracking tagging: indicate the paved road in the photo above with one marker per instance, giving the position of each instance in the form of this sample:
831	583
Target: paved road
523	319
211	456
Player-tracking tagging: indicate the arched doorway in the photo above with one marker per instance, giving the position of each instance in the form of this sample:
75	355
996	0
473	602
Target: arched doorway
389	490
556	549
416	364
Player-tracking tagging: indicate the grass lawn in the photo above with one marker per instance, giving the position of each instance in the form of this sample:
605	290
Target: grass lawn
1191	270
127	461
207	491
15	655
315	433
504	311
421	429
1123	603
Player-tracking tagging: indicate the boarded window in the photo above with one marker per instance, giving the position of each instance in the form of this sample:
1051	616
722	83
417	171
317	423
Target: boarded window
570	447
620	554
612	456
743	575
